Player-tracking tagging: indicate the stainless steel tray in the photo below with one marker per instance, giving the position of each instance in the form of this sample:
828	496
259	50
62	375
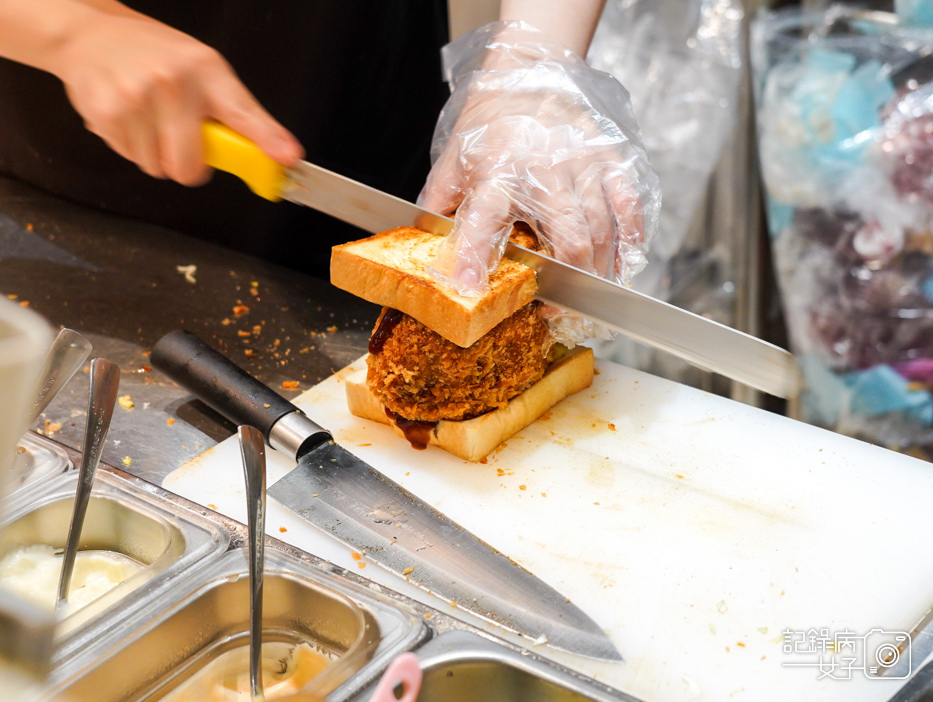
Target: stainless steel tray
182	630
168	539
195	609
459	666
37	457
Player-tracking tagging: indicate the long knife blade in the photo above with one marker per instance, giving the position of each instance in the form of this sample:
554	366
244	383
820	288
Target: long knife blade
393	527
347	498
698	340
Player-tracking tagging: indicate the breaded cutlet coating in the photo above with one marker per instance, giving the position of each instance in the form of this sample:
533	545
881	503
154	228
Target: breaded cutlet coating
419	375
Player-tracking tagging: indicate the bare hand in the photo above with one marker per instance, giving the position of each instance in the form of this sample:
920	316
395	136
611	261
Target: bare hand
146	88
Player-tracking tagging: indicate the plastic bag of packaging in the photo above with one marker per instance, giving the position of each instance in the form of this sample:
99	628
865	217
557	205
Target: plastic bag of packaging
915	13
681	62
845	115
532	133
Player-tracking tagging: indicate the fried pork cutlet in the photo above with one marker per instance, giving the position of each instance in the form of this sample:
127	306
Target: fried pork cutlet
419	375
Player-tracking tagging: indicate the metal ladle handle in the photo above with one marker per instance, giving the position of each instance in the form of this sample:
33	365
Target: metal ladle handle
253	453
105	382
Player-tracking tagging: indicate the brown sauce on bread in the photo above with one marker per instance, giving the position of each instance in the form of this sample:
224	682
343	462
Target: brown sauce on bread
387	322
417	432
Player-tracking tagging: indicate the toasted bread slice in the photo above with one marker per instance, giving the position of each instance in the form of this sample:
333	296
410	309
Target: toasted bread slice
390	269
473	439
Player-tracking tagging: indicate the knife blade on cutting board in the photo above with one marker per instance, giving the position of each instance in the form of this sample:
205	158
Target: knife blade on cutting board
346	497
695	529
698	340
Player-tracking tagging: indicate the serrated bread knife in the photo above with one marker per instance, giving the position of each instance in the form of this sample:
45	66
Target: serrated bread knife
699	341
347	498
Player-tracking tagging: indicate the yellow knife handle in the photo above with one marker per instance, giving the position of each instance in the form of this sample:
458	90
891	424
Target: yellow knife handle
230	151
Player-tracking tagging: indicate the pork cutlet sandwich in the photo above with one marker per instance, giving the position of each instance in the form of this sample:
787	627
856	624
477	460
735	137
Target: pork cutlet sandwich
462	373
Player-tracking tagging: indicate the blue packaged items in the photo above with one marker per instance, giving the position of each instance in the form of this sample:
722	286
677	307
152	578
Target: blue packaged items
845	134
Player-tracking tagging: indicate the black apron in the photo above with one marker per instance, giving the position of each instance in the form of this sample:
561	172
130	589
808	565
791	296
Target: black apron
357	81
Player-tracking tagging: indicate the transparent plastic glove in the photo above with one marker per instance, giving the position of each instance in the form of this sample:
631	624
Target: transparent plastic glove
531	133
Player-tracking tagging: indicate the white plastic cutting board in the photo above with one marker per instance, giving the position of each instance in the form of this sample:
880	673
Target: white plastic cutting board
693	528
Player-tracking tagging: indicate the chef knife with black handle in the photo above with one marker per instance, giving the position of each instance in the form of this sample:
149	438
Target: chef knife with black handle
347	498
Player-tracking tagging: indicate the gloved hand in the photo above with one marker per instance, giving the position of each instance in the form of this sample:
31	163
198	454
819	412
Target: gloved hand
532	133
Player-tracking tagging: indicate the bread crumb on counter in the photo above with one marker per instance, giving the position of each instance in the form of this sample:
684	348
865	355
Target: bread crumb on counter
126	402
189	272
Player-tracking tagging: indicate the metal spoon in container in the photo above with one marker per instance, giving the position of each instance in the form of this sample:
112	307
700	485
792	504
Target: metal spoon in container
253	452
105	381
67	354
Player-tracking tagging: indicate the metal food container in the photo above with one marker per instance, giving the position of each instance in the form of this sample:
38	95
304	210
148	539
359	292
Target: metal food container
25	338
190	606
37	457
203	618
460	666
166	538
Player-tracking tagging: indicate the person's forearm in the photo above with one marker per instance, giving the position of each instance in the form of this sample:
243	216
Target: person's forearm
572	23
32	31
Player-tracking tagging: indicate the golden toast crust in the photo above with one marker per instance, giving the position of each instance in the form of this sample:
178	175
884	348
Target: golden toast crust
390	269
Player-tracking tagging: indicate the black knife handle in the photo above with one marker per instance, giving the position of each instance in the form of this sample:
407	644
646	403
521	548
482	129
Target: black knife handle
224	386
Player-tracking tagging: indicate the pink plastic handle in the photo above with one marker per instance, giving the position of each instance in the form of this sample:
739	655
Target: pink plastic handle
403	670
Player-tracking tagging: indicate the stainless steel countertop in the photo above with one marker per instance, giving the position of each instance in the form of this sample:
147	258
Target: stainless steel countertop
117	282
